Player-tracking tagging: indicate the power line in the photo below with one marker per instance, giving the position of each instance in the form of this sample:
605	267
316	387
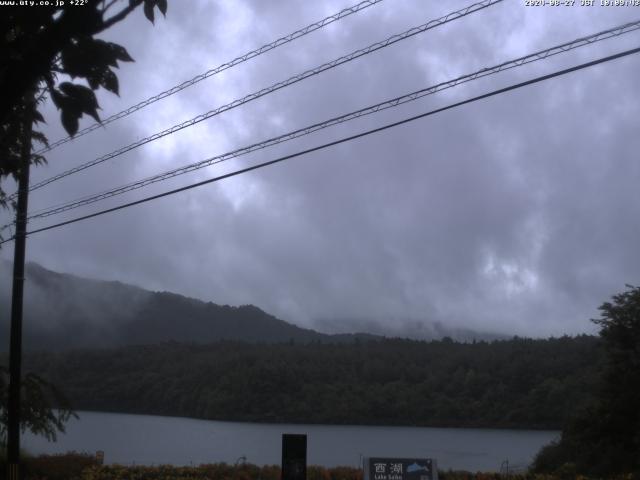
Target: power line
342	140
277	86
539	55
220	68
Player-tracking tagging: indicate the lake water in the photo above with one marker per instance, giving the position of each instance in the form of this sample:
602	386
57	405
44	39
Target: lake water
147	440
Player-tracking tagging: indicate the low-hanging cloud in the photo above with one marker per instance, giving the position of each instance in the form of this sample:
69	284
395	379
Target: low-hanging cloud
515	214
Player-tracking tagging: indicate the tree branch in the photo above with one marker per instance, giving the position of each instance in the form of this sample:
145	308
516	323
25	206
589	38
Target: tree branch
108	5
121	15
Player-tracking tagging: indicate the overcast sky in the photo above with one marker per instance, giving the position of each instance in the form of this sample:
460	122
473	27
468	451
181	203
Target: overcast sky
518	214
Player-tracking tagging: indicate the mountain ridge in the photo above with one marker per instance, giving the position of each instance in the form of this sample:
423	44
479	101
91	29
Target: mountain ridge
66	311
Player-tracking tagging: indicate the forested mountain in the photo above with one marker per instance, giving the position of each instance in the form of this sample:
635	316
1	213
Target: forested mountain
63	311
514	383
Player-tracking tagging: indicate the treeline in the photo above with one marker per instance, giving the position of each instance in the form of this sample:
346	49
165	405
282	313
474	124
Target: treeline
519	383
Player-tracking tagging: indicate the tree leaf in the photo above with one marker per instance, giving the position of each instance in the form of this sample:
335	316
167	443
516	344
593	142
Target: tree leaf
110	82
148	9
38	159
57	98
101	53
81	99
40	137
121	52
94	114
75	100
88	56
37	117
94	81
69	121
74	62
66	88
162	6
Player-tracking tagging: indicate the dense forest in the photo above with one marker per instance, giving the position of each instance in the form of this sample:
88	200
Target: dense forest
518	383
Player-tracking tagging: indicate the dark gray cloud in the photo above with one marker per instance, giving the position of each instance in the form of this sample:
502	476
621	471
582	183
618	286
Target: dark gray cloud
517	214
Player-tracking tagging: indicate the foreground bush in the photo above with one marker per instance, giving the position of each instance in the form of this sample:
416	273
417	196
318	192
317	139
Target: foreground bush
221	471
77	466
217	471
68	466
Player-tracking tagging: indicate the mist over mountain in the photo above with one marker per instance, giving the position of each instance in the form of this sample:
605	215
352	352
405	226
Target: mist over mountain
413	329
64	311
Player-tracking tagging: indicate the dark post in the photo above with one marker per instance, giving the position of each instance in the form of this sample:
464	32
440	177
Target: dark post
294	457
15	346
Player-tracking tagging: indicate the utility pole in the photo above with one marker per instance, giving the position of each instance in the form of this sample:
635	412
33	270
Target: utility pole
15	346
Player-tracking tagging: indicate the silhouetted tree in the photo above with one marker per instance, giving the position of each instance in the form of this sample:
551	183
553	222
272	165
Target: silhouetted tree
604	438
37	413
39	43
